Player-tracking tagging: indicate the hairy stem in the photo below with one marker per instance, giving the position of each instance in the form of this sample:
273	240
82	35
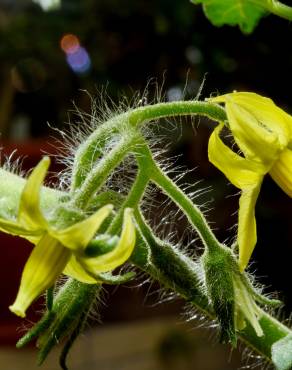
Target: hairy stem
194	215
177	271
99	173
90	149
178	108
133	199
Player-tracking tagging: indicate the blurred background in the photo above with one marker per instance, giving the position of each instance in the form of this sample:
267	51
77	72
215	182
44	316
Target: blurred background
51	51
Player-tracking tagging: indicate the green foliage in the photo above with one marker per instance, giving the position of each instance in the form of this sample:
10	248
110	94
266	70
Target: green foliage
282	353
244	13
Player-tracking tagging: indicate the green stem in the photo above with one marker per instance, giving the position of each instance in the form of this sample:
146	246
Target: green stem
183	272
91	149
178	108
279	9
134	197
273	331
141	251
192	212
99	173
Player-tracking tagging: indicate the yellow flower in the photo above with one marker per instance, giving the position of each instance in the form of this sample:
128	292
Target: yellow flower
263	132
58	251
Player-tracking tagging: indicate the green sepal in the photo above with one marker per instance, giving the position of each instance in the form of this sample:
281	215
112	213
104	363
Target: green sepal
56	332
73	300
50	298
282	353
64	215
218	268
36	330
69	310
69	343
102	244
258	297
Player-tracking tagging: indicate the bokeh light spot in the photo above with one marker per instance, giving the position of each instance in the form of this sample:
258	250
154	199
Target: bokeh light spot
79	61
48	4
70	43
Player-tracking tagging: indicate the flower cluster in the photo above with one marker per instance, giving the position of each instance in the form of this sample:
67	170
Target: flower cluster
60	250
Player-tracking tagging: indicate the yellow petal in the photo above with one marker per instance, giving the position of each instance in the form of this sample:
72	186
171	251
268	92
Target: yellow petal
76	271
266	112
119	255
14	228
77	236
45	264
240	172
260	128
29	214
247	235
247	175
252	138
281	171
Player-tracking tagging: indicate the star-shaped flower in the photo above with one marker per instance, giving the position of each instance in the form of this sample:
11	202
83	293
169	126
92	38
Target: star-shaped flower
60	250
263	132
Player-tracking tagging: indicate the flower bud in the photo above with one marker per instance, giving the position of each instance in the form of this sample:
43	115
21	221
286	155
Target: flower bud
219	284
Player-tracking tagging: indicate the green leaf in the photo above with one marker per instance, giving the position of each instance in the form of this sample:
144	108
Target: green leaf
282	353
244	13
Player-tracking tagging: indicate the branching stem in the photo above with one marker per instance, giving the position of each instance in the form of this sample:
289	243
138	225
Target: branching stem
99	173
163	262
89	151
194	215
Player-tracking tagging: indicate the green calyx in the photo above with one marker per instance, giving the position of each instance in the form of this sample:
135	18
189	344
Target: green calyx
218	267
232	295
63	319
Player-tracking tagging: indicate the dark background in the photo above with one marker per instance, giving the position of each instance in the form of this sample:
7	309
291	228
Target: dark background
128	43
